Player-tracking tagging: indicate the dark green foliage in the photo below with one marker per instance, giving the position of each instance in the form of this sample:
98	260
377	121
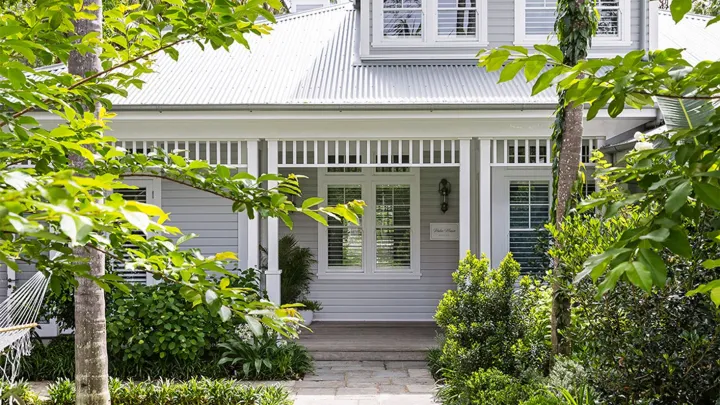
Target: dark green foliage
634	346
435	363
155	322
51	361
154	333
314	306
490	321
486	387
296	264
265	356
168	392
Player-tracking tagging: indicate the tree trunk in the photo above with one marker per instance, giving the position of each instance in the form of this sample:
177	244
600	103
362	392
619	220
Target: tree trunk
569	163
91	362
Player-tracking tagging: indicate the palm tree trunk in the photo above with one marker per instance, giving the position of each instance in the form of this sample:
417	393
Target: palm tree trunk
91	362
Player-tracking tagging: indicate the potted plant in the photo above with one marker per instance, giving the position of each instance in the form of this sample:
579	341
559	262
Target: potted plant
296	264
307	312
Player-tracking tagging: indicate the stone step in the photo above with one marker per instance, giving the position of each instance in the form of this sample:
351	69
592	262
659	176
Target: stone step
370	355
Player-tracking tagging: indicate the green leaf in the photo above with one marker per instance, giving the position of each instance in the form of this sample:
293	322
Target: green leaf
225	313
210	296
678	9
551	51
679	244
514	48
640	276
707	193
656	264
510	71
311	202
75	227
613	276
496	59
533	66
678	197
317	217
617	105
713	21
711	263
658	235
254	325
546	80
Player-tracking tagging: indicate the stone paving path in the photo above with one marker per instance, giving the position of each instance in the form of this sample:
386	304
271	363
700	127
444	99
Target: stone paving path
365	383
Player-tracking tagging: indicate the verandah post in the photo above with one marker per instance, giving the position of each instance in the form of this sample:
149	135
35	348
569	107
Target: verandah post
464	211
253	225
272	274
485	230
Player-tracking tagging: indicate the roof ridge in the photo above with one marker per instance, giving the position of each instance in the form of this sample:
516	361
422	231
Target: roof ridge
307	13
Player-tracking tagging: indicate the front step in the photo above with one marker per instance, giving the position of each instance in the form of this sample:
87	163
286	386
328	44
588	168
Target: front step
369	341
419	355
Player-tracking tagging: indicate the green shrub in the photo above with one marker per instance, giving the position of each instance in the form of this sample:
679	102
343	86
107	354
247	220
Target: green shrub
19	393
494	320
49	362
166	392
435	365
264	356
637	347
545	398
485	387
567	374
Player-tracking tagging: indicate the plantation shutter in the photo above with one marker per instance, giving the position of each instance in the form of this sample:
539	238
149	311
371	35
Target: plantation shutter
529	211
540	17
457	18
402	18
345	240
609	24
131	276
392	227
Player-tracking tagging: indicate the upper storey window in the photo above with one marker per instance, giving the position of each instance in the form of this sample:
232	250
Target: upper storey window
535	20
430	22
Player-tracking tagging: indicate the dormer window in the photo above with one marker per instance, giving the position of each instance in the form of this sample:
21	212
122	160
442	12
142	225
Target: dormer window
428	23
535	20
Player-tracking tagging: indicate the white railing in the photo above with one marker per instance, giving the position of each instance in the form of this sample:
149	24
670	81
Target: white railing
225	152
534	151
368	153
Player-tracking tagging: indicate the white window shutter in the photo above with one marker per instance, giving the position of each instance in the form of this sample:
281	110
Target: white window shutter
118	267
529	211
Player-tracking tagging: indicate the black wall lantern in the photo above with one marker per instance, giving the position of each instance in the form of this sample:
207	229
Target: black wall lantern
444	188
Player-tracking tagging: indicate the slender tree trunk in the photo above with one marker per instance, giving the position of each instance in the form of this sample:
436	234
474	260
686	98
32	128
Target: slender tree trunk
569	163
91	362
574	18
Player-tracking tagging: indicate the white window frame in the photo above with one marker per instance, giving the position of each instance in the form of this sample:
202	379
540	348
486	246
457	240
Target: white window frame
154	190
429	37
369	179
624	39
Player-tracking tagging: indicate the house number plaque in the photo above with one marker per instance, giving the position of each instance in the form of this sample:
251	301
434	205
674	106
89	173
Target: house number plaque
444	232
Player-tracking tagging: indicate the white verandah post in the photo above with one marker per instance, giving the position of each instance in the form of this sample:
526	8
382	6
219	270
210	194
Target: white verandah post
253	225
464	212
272	274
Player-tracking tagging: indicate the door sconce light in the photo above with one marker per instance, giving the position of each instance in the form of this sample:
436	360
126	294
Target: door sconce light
444	188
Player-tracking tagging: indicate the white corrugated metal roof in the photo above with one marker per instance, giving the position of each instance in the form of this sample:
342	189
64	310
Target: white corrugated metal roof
700	42
311	59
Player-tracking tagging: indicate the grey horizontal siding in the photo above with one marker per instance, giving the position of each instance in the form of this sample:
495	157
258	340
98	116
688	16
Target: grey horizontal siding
501	30
207	215
396	300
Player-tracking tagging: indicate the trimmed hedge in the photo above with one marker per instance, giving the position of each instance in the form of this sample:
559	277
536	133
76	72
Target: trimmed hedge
192	392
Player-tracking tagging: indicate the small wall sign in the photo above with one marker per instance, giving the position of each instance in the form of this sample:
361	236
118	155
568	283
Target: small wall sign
444	232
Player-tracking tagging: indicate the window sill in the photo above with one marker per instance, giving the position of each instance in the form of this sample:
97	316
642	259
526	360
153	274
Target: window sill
369	276
431	45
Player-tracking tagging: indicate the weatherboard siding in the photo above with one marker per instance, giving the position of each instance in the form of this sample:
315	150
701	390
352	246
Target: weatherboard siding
501	31
202	213
389	300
